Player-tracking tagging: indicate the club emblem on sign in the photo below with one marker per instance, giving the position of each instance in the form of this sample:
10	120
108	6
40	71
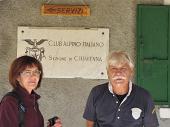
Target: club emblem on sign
136	112
35	51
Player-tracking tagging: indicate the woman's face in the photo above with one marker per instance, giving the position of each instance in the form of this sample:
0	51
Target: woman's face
29	78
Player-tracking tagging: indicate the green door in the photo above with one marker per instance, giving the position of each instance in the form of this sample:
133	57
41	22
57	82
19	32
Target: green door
153	52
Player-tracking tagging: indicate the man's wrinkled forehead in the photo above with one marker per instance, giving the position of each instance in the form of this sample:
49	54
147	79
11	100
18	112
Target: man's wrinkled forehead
119	64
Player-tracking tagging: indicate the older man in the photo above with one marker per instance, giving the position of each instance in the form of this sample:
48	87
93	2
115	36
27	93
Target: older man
120	103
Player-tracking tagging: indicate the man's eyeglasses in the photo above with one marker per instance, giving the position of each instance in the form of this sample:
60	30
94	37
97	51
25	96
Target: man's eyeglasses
36	73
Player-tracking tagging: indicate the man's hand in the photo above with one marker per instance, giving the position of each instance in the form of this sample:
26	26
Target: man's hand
89	123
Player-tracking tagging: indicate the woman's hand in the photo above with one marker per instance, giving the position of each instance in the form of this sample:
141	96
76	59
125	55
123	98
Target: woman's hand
58	123
54	122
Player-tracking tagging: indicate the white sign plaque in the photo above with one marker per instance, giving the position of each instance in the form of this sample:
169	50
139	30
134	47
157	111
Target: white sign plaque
66	52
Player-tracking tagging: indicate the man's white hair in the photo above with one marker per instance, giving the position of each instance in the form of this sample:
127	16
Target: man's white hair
119	57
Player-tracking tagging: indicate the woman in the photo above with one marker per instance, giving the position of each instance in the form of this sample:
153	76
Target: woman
25	76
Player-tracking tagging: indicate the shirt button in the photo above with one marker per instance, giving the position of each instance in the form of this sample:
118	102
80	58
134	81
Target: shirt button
118	117
117	102
119	109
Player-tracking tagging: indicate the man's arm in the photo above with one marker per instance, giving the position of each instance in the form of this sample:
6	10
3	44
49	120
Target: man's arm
150	118
89	123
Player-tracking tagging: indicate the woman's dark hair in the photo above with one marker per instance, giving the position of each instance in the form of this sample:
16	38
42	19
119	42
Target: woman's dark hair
19	65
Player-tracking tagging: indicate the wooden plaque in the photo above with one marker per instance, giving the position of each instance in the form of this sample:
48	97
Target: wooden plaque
65	10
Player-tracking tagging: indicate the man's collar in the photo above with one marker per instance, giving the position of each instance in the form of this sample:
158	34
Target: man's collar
111	90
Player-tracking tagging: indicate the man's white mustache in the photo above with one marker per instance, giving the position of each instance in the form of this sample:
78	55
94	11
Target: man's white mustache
118	77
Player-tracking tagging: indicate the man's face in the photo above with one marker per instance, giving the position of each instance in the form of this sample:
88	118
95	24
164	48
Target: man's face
120	74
